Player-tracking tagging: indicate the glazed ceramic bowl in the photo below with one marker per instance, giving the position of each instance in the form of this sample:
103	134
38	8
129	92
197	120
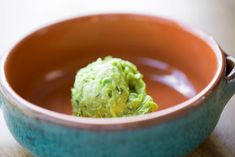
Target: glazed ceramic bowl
186	73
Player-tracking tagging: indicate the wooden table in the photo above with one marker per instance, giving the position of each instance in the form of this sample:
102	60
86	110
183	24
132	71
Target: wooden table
18	18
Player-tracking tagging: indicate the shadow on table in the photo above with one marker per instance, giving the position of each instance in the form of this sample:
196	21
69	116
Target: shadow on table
211	148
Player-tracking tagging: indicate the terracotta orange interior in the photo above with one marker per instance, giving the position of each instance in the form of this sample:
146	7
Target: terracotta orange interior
175	63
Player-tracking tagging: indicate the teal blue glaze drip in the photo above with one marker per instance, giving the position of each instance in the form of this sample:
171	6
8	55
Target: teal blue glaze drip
224	92
229	89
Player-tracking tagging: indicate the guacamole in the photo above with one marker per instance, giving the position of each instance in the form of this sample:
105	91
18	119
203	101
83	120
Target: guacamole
110	87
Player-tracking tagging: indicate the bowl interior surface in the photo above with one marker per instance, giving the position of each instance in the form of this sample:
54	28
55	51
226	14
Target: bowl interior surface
176	63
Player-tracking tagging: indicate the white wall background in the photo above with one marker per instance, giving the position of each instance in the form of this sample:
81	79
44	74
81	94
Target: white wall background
19	17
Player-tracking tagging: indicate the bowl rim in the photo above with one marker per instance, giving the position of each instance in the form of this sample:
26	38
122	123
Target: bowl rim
37	112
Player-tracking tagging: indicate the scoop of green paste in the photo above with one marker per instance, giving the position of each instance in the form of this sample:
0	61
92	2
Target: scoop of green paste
110	87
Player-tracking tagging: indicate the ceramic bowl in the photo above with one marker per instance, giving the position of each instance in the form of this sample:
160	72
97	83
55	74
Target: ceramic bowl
186	73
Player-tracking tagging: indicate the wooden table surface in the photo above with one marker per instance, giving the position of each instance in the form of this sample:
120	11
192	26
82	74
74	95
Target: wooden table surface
18	18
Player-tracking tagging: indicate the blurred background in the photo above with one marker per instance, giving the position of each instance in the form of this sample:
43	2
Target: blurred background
217	17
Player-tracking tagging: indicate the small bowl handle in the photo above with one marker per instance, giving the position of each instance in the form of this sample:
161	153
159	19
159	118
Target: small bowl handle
230	69
229	86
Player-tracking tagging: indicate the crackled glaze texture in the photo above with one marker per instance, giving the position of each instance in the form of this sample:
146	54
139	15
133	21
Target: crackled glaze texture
173	138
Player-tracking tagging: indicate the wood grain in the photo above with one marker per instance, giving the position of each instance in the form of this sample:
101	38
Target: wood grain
18	18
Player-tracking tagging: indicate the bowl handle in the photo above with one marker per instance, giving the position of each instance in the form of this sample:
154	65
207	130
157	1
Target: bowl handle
229	75
230	69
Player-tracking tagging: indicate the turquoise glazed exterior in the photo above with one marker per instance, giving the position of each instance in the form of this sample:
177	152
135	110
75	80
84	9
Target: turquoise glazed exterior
172	138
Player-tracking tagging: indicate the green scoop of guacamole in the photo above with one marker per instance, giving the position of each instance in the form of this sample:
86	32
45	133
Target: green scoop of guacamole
110	87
